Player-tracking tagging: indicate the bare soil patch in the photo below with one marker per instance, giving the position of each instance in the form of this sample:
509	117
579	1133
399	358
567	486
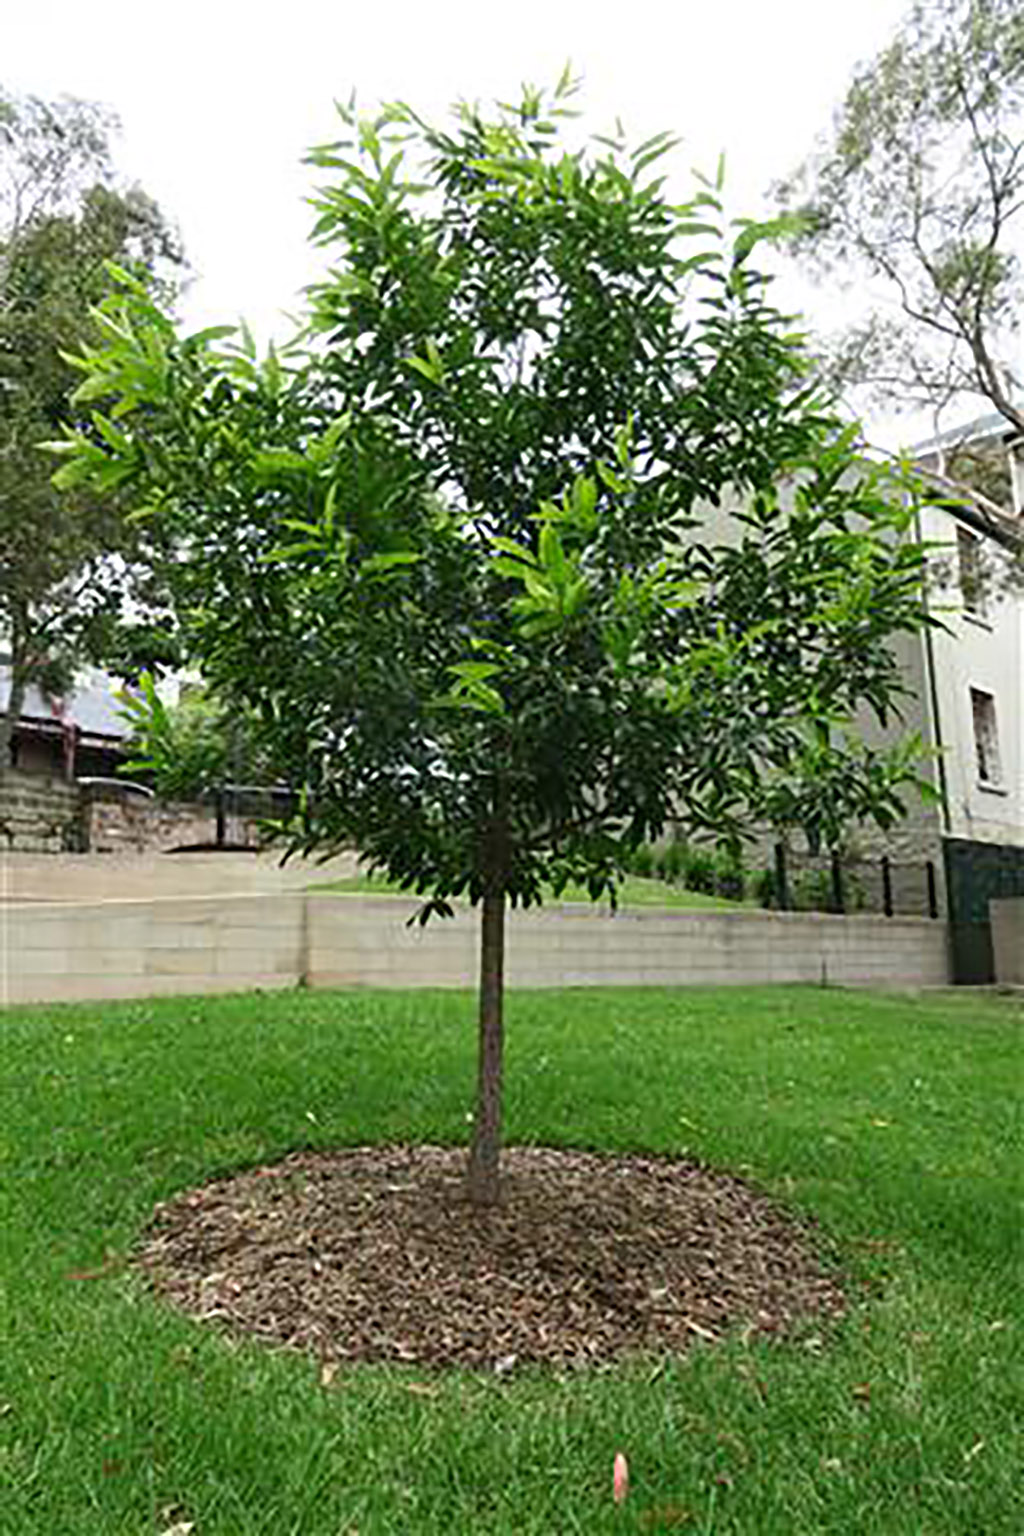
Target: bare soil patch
374	1253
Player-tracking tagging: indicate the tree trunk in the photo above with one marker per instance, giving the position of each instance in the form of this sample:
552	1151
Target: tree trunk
991	383
485	1152
8	720
20	674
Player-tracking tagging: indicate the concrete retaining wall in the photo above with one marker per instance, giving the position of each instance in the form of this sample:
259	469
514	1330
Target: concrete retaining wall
60	953
55	952
363	941
1008	940
91	878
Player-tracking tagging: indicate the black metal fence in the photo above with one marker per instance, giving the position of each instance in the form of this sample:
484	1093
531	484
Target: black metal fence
803	882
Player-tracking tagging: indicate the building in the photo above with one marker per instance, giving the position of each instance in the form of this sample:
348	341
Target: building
965	696
964	699
80	736
969	678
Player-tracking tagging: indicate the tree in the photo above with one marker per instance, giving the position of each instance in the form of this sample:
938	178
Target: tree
195	748
921	186
62	558
457	551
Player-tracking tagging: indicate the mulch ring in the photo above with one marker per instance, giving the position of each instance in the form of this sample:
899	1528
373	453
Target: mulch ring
374	1253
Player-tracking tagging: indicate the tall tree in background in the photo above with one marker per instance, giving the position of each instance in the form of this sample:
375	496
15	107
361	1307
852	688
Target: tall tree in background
921	187
462	558
62	218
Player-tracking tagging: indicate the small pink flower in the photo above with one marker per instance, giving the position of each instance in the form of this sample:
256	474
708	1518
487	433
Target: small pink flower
620	1478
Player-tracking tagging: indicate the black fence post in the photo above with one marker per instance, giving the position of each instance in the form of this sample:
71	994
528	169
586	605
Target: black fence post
838	898
886	885
933	894
781	882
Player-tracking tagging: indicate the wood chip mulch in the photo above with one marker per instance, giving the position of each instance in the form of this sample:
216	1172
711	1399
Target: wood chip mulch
374	1253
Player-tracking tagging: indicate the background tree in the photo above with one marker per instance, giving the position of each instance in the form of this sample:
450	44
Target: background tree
64	560
462	554
196	748
921	186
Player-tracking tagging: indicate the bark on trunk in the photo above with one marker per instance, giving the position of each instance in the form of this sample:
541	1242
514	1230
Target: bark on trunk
15	705
19	679
485	1152
992	384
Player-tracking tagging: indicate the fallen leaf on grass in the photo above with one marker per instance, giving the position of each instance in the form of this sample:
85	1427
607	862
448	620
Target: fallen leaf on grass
702	1333
182	1528
328	1371
862	1392
667	1515
110	1266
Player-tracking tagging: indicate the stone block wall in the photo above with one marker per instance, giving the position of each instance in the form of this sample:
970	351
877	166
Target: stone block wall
40	814
119	823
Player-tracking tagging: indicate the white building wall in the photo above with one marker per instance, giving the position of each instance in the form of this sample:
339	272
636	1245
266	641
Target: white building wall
982	651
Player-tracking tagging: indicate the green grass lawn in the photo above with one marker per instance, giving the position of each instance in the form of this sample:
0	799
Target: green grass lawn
634	891
894	1120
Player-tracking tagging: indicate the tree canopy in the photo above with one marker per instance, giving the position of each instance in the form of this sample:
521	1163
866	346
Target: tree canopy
62	218
536	539
921	186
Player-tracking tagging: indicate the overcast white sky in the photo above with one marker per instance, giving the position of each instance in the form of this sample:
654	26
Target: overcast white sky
219	100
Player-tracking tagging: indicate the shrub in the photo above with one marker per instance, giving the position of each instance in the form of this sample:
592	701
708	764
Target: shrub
811	891
699	871
670	863
641	861
730	880
762	887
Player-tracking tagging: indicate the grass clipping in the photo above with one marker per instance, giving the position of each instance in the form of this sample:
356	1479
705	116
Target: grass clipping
374	1254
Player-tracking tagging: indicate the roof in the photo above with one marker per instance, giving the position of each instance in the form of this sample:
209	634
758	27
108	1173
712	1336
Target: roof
962	502
91	706
993	425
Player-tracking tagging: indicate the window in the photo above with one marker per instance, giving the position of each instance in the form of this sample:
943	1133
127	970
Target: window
1017	472
971	580
986	739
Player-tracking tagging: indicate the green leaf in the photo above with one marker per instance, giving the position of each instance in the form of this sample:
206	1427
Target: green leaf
429	369
386	564
502	565
510	547
198	339
584	501
275	461
552	556
473	670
